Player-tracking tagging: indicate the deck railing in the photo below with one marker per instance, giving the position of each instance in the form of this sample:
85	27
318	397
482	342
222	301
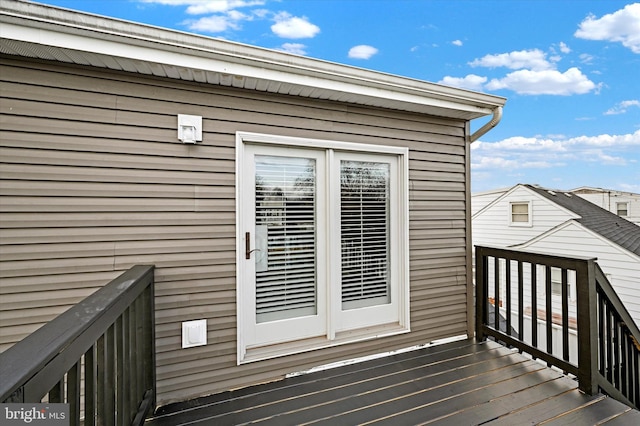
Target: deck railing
561	310
98	357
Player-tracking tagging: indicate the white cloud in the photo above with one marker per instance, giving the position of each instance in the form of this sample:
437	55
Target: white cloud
544	82
630	187
214	24
621	26
288	26
471	82
217	6
362	51
564	48
295	48
532	59
585	58
621	107
536	152
493	163
201	7
457	42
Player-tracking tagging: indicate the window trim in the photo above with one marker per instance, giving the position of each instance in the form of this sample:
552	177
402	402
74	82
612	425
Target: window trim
620	203
529	221
399	213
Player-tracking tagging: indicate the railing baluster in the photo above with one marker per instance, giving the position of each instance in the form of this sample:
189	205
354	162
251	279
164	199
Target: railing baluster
139	340
565	315
520	302
610	347
616	352
56	394
120	374
101	377
110	378
496	293
602	344
507	276
624	366
89	387
132	363
150	344
73	393
534	305
126	348
636	369
548	311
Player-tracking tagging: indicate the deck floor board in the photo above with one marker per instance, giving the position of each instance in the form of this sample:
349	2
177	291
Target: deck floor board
456	383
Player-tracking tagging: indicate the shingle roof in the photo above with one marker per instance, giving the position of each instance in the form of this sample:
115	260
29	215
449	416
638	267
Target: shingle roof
611	226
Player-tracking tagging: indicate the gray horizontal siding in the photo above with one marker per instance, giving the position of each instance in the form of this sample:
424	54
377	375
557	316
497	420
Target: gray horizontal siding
94	181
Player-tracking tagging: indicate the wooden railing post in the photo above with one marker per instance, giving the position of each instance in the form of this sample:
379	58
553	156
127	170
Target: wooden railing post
587	327
481	292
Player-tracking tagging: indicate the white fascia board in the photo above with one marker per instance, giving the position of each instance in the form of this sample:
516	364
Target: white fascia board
80	32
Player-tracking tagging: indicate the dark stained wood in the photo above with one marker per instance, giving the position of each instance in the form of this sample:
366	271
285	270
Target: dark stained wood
36	368
457	383
607	356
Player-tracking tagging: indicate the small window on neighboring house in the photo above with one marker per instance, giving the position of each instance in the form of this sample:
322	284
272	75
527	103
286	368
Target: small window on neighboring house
556	282
622	209
520	214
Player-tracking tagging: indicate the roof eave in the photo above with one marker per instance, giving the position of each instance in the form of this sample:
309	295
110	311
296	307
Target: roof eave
47	32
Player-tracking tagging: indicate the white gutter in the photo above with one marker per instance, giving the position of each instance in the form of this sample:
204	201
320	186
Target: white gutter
497	116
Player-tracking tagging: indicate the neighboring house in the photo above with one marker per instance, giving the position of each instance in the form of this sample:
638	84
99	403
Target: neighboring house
480	199
308	211
624	204
559	222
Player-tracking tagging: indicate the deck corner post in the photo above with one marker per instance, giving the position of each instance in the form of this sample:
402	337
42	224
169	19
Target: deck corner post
587	327
481	292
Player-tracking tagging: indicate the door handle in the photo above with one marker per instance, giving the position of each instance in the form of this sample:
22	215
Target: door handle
247	245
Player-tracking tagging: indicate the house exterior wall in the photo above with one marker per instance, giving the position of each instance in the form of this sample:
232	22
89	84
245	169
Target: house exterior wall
491	225
480	200
621	267
609	200
95	181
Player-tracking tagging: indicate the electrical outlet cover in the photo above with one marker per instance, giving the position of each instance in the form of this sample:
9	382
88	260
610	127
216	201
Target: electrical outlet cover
194	333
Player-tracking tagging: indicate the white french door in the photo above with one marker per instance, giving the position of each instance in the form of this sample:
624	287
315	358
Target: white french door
322	244
365	230
283	222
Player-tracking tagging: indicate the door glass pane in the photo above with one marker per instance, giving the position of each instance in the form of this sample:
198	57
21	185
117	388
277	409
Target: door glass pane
364	228
285	237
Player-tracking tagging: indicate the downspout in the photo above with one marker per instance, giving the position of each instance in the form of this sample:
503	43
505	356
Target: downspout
497	116
471	302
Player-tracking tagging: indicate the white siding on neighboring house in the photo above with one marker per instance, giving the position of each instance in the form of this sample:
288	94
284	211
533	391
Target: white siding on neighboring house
479	200
621	266
491	225
625	204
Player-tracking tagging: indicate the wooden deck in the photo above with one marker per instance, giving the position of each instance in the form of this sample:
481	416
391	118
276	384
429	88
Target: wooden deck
459	383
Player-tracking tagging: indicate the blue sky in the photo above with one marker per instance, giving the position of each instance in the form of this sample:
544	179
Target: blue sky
570	69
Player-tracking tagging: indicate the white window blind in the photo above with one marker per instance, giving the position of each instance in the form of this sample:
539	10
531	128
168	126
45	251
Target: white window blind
622	209
286	231
520	212
364	228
